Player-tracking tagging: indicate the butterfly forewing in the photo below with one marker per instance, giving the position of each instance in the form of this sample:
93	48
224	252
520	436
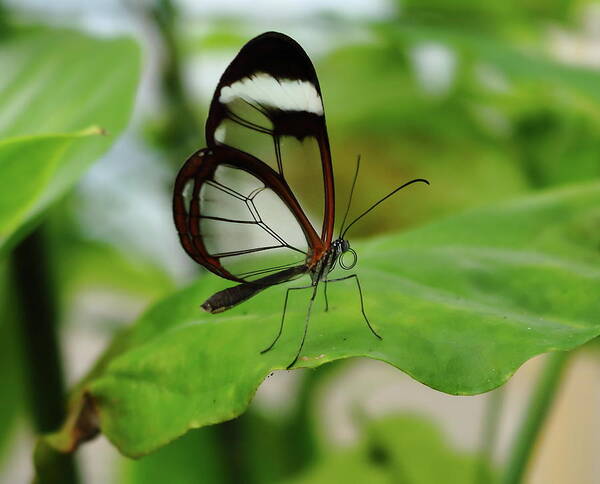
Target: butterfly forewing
268	103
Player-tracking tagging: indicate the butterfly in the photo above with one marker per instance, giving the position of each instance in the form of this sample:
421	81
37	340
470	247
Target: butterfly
265	122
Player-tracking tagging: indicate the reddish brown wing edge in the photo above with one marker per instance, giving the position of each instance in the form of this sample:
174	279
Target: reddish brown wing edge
200	168
282	57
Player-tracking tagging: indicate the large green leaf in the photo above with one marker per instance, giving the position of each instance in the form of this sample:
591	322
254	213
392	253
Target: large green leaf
460	303
56	81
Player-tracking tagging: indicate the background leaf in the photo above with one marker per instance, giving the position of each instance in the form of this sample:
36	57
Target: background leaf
30	164
460	303
401	448
56	81
190	459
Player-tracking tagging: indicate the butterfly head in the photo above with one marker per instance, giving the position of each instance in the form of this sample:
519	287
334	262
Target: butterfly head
345	254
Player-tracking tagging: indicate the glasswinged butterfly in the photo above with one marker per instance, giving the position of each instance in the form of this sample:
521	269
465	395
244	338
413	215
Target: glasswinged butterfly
266	119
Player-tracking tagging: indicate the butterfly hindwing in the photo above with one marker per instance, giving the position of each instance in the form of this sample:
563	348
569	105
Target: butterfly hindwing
236	217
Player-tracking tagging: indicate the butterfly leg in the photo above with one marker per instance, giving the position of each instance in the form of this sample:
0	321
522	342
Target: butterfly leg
312	299
362	305
287	293
325	294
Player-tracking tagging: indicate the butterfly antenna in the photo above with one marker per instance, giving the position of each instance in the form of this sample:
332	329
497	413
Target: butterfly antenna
351	193
416	180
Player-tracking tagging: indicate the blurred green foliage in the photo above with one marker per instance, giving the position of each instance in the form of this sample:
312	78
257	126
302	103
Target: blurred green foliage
190	459
504	117
64	98
403	448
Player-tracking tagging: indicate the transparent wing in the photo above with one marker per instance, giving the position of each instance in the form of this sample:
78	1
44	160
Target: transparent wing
235	217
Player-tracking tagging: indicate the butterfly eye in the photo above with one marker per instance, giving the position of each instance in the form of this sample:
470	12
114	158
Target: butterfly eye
344	263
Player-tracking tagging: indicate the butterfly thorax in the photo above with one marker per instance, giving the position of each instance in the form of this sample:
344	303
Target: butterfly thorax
330	259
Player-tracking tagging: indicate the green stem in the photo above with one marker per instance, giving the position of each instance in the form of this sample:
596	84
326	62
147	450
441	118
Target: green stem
489	434
183	132
302	448
37	311
535	417
230	438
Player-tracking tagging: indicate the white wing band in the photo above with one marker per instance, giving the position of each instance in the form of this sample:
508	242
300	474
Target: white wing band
284	94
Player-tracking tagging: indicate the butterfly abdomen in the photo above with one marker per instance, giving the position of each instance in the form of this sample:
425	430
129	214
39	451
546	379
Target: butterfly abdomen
232	296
